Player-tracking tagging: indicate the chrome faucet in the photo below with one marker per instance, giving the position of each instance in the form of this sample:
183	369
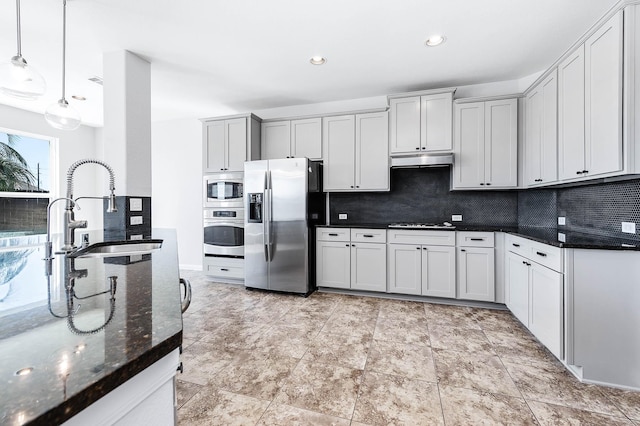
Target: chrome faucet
69	222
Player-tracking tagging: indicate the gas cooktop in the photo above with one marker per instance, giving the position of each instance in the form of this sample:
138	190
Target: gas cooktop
444	225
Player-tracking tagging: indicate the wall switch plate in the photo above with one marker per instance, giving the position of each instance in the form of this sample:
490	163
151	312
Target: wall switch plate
562	220
135	220
629	227
135	204
342	216
562	237
456	218
136	237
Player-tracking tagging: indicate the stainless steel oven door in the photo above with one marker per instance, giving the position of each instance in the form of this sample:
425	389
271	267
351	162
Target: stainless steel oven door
223	190
224	232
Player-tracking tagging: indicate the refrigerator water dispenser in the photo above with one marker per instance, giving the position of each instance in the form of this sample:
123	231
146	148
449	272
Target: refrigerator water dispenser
255	207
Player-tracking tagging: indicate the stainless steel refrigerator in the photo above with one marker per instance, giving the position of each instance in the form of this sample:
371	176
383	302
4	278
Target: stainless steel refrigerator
283	202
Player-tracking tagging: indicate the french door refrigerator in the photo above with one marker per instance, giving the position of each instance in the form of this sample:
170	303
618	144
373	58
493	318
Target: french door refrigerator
283	202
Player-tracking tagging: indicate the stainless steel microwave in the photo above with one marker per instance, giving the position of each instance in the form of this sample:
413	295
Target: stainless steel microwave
223	189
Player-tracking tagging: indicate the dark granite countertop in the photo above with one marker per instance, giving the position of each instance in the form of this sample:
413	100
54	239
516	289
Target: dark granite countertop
553	236
81	331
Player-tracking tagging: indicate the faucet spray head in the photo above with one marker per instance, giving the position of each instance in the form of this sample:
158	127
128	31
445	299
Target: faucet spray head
111	206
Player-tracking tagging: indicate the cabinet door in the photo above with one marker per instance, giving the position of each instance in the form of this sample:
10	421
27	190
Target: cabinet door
571	116
546	313
372	152
338	145
439	271
549	129
276	140
517	276
306	138
603	99
476	273
405	125
214	147
333	264
236	138
468	140
501	143
436	125
405	268
533	136
369	267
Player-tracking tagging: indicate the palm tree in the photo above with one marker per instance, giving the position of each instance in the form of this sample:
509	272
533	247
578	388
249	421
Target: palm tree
13	167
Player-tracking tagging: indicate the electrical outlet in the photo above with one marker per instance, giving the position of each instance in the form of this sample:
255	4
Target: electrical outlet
136	237
562	220
456	218
562	237
135	220
629	227
342	216
135	204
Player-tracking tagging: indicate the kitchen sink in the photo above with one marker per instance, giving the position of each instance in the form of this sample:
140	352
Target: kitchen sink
117	248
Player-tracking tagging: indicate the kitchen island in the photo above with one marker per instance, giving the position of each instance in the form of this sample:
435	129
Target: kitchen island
90	326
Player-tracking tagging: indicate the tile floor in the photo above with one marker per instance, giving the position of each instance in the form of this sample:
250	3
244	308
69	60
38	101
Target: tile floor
256	358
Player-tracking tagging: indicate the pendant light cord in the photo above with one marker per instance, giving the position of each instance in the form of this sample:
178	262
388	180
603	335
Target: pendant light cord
18	28
64	45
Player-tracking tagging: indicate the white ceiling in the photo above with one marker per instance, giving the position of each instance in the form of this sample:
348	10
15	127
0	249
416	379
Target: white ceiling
217	57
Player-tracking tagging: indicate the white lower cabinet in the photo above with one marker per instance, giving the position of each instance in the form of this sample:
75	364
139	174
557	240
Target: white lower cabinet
536	293
476	266
351	260
424	264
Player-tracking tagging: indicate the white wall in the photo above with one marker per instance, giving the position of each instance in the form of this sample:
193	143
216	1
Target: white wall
72	146
176	175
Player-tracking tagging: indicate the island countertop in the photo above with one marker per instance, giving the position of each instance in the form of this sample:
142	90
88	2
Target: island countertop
82	331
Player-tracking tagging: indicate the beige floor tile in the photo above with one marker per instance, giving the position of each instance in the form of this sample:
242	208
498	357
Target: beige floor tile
339	349
308	319
627	401
352	324
556	415
202	361
518	345
460	339
405	330
285	341
402	309
549	382
452	316
497	320
185	391
361	306
469	407
237	334
255	374
216	407
386	400
483	373
402	359
279	414
322	388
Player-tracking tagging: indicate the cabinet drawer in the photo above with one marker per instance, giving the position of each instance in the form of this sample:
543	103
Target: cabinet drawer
428	238
368	235
546	255
333	234
224	267
517	245
474	239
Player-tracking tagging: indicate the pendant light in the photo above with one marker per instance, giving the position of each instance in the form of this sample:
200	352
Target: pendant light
61	115
17	79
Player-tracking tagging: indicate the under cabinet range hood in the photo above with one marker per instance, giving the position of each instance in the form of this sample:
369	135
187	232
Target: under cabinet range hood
422	160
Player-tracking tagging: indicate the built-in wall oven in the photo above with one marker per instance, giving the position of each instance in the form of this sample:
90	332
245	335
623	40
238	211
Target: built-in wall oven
223	190
224	231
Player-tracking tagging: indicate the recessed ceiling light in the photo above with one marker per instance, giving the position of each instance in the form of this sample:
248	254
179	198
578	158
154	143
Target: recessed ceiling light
24	371
318	60
79	98
434	40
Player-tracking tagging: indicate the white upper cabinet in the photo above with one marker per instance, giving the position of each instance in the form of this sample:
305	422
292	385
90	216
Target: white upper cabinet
292	138
356	152
590	106
421	123
486	145
541	140
229	143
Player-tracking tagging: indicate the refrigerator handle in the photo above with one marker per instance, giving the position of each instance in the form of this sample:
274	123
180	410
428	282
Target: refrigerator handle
265	217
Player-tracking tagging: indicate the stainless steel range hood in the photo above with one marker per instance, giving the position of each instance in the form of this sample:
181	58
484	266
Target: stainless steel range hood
422	160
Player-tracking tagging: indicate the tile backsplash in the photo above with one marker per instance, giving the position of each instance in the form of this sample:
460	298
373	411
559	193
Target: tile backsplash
423	195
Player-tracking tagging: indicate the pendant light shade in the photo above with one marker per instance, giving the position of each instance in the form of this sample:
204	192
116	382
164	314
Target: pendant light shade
61	115
17	78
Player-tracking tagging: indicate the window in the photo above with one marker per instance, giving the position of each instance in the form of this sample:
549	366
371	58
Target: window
27	177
